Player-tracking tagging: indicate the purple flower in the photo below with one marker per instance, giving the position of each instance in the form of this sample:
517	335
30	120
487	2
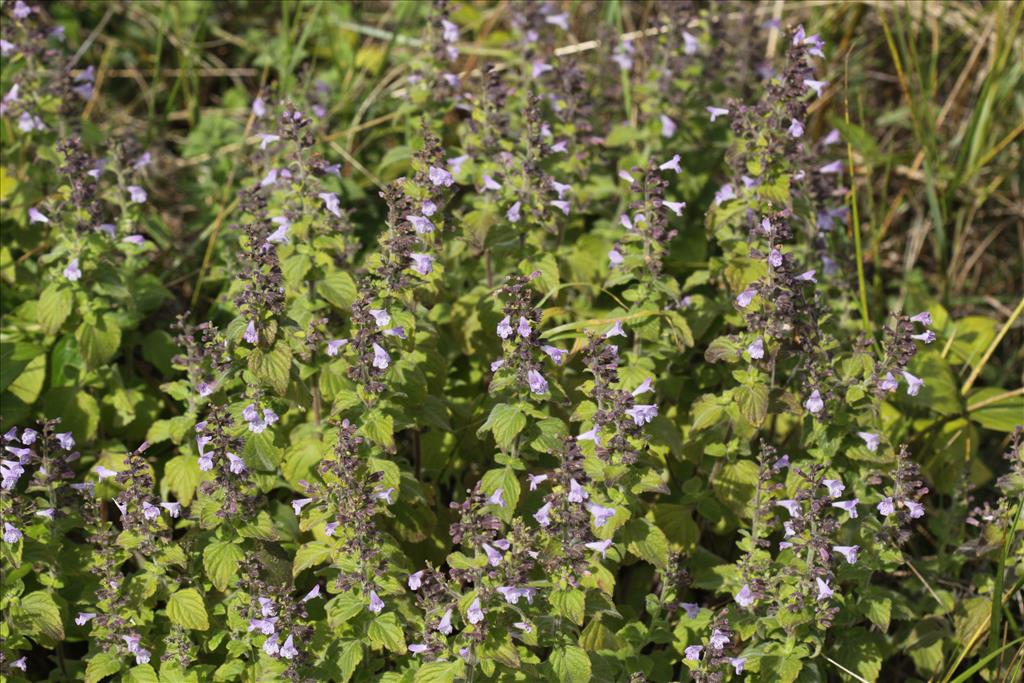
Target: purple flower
807	276
490	183
690	43
259	108
28	436
300	503
816	86
718	640
475	613
266	139
37	216
450	31
376	604
381	359
416	580
914	384
927	337
497	498
599	546
428	208
692	652
279	236
439	176
559	20
888	383
745	297
871	440
824	592
497	365
250	333
737	664
331	202
380	316
925	318
715	112
538	384
668	126
535	480
724	194
886	507
577	494
512	594
21	10
756	349
600	514
523	328
543	515
335	345
916	509
173	509
832	168
745	598
330	528
590	435
422	263
835	487
138	195
288	650
72	272
554	353
235	464
814	404
11	533
66	441
150	511
455	163
849	505
831	139
540	68
385	495
445	625
675	207
847	551
137	240
692	609
271	646
775	258
615	331
561	205
642	414
792	507
504	328
514	212
560	188
84	618
672	164
418	648
644	387
796	129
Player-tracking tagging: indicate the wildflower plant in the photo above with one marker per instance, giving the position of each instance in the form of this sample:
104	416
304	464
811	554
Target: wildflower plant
548	357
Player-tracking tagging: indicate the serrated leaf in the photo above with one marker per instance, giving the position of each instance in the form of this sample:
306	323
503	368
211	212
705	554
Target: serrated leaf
100	666
43	614
752	400
439	672
384	632
54	307
99	341
186	608
379	427
221	559
273	367
339	289
182	477
647	542
505	479
505	422
726	349
571	664
569	603
310	555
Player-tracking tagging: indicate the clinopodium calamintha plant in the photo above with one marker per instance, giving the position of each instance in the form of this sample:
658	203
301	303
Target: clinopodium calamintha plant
477	341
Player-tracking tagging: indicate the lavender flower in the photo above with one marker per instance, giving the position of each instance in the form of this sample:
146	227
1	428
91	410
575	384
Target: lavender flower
600	514
824	591
538	384
72	272
535	480
756	349
886	507
11	533
914	384
849	505
331	202
745	297
796	129
36	216
847	551
376	604
816	86
422	263
834	486
672	165
138	195
668	126
514	212
745	598
440	177
599	546
814	404
475	613
693	652
715	112
871	440
381	359
642	414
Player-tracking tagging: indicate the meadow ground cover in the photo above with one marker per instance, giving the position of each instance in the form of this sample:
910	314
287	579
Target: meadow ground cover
507	341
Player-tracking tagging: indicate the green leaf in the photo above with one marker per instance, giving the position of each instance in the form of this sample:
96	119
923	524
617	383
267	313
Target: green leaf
379	427
186	608
350	658
29	383
100	666
98	342
143	673
54	307
221	559
569	603
647	542
310	555
339	289
505	479
726	349
439	672
385	632
571	664
182	477
43	614
752	400
505	422
1001	415
862	652
273	368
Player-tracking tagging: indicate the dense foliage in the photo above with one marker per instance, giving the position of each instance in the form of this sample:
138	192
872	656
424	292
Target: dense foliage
539	342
